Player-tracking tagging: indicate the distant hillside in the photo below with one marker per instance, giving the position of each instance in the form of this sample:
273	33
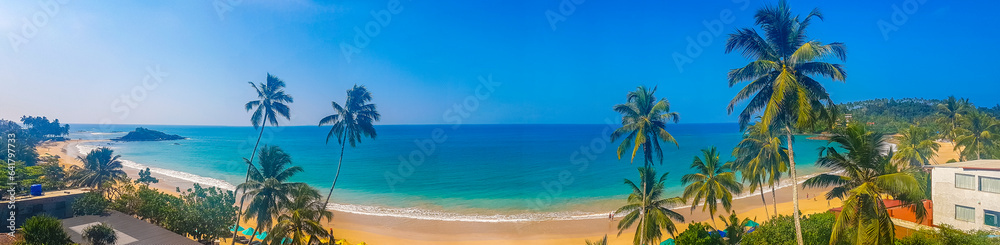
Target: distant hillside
144	134
891	115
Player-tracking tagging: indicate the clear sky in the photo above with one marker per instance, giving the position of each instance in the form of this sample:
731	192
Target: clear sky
86	61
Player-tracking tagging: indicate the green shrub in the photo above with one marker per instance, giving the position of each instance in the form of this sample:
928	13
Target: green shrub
698	234
91	203
101	234
948	235
43	229
816	229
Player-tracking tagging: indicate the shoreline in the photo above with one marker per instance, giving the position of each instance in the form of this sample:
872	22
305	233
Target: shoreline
378	228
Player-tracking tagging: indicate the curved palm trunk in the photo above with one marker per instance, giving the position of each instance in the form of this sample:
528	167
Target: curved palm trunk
795	187
239	209
335	177
762	200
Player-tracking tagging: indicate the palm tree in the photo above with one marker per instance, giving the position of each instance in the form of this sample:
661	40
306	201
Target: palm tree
761	157
644	120
780	84
268	186
297	220
735	228
647	206
978	136
100	234
603	241
713	181
101	170
867	176
271	103
351	122
916	147
951	112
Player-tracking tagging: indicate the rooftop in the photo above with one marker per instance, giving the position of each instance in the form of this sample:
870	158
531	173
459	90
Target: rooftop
988	164
52	194
129	229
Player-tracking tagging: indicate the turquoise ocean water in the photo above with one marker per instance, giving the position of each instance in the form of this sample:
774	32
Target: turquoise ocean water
467	172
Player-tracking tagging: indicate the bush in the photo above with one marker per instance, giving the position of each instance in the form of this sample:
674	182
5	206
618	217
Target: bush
43	229
698	234
948	235
101	234
91	203
816	229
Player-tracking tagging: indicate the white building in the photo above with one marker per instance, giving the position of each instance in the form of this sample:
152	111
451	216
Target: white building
966	195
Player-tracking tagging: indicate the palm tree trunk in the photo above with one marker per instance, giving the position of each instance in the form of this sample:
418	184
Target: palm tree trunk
254	233
774	199
795	187
764	201
335	177
249	165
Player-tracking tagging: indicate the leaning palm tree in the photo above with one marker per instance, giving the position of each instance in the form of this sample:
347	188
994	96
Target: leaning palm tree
761	158
270	104
713	182
647	206
916	147
781	87
268	187
101	170
351	122
979	136
950	112
297	220
867	176
644	120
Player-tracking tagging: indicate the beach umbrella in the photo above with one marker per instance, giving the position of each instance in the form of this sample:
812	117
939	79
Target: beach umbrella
262	235
248	231
722	233
283	240
668	242
751	223
238	228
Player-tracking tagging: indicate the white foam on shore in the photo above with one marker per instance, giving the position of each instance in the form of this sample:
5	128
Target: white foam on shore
84	149
424	214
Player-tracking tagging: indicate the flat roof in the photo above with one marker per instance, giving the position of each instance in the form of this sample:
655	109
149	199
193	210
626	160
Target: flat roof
129	229
52	194
985	164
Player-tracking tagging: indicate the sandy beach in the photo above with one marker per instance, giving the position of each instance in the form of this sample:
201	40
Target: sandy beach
396	230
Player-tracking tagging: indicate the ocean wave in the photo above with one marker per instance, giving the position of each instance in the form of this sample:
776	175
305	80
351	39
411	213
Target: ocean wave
424	214
194	178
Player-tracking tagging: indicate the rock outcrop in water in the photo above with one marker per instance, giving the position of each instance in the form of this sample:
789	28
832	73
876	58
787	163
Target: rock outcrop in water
144	134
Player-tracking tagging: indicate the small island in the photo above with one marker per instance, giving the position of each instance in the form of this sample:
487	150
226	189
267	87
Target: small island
144	134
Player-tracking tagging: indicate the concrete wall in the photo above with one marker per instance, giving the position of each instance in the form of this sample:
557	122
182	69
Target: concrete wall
58	204
946	196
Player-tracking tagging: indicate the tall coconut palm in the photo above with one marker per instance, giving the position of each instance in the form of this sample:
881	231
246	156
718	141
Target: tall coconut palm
979	136
713	182
268	187
916	147
867	176
297	220
647	206
780	78
761	157
644	120
351	122
951	111
101	170
270	104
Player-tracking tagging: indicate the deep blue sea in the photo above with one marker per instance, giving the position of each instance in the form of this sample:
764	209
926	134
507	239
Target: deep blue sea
467	172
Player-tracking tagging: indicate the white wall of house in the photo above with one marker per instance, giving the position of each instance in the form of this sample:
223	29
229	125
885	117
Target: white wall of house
946	196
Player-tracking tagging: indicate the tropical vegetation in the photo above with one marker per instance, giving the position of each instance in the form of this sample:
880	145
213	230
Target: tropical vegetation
712	182
351	122
647	209
268	188
100	234
780	77
102	170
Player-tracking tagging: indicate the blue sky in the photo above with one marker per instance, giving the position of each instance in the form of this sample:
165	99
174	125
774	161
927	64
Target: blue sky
85	56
